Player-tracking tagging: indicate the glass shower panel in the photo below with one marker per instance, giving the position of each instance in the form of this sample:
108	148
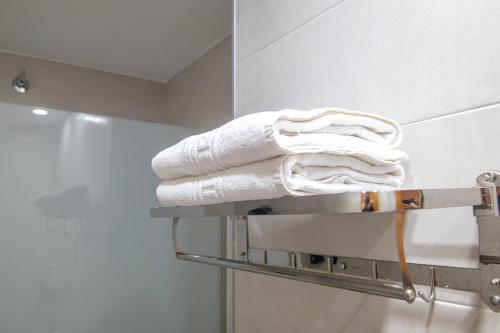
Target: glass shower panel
78	251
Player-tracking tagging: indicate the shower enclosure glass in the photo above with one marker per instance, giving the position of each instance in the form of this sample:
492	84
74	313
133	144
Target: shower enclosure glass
78	251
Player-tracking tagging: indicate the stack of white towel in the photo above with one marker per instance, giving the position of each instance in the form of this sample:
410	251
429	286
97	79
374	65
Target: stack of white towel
274	154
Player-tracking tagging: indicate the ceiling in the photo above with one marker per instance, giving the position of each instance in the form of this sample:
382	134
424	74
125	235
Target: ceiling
151	39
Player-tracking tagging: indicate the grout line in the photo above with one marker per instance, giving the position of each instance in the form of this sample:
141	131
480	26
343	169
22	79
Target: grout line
290	32
188	63
233	59
452	114
81	66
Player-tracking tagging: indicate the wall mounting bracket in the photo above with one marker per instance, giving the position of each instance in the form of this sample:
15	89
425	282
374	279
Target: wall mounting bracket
377	277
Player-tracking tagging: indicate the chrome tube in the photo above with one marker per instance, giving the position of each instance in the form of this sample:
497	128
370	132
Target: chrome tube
350	202
380	288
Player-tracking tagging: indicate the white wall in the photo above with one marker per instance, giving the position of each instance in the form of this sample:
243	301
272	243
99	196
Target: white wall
79	89
199	96
432	66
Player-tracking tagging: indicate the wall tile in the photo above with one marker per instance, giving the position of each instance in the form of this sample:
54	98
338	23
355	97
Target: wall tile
277	305
454	162
200	95
409	60
412	61
261	22
452	150
440	156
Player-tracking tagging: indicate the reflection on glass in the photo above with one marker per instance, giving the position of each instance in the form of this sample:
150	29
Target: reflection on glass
77	249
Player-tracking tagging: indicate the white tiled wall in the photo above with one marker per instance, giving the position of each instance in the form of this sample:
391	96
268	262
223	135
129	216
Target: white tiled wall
272	27
410	60
432	66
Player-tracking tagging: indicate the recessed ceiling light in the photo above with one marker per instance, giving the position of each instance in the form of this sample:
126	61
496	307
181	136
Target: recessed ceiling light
40	112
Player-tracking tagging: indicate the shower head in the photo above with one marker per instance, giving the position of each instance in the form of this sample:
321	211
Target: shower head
20	83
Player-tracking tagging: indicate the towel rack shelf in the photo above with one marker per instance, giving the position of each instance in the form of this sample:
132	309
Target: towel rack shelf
350	202
378	277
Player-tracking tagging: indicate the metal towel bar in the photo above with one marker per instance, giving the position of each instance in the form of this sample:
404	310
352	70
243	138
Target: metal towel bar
377	277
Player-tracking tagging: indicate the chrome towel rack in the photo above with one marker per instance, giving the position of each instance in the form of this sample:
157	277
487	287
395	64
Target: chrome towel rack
377	277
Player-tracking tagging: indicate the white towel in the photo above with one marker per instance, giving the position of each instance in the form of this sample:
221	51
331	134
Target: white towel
300	174
264	135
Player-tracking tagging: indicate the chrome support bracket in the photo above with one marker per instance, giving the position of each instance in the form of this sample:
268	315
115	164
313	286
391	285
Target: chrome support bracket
488	220
371	270
376	277
240	237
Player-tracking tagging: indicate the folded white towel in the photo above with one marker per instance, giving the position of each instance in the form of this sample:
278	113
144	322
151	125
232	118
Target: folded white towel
264	135
299	174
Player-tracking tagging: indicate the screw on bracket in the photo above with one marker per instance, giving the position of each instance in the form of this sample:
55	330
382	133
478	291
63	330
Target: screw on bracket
487	178
490	176
409	295
495	300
